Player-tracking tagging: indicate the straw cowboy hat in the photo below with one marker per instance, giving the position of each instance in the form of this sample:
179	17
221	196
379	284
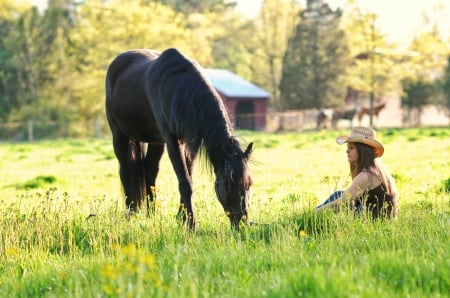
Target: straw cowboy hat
363	135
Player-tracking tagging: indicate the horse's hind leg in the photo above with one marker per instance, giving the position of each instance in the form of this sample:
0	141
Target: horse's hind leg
130	156
151	165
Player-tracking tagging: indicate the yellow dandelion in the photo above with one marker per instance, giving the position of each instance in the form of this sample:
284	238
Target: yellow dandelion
148	260
129	250
303	234
109	271
129	267
12	251
109	290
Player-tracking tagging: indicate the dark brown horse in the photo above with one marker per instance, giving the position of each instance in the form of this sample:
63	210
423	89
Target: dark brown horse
155	98
366	111
344	115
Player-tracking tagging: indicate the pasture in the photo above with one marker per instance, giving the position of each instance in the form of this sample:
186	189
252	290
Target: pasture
64	231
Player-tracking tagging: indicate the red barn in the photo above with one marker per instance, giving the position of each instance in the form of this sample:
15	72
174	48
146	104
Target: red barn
246	102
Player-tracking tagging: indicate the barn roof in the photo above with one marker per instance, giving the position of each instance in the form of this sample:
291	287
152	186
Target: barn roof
232	85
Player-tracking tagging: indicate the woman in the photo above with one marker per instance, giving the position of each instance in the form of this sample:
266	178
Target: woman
373	188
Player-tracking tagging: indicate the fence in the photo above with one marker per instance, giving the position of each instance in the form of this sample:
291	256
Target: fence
31	130
294	120
98	128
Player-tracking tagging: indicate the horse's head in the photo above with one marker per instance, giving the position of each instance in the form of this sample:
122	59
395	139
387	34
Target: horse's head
232	186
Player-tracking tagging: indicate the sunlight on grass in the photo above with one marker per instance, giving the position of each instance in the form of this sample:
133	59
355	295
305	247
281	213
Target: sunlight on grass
67	234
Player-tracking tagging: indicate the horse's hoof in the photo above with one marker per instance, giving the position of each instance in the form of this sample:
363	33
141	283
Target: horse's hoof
252	223
129	213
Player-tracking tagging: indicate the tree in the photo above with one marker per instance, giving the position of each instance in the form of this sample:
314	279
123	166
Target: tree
39	61
316	60
27	49
10	13
196	6
417	94
105	29
273	29
426	71
446	88
373	68
58	91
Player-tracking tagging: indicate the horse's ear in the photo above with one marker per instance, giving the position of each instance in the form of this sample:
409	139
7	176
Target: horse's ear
249	150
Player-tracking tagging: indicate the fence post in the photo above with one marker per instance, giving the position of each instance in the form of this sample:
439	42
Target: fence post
97	128
30	131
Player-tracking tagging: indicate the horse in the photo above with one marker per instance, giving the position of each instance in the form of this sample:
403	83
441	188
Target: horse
156	99
322	118
344	115
366	111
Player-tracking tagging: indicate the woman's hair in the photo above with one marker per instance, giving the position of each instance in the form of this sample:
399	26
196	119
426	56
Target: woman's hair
366	160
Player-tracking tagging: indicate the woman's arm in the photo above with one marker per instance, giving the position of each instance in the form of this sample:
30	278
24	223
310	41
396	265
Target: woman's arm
395	195
335	202
359	185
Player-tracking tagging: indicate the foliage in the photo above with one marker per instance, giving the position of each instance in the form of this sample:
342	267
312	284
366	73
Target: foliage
53	61
418	93
40	181
316	60
73	239
273	28
446	86
196	6
432	52
35	44
373	66
9	72
426	71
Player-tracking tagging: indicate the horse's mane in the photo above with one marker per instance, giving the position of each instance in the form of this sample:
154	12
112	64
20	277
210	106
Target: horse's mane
194	109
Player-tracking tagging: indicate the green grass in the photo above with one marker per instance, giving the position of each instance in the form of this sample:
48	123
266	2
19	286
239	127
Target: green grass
64	232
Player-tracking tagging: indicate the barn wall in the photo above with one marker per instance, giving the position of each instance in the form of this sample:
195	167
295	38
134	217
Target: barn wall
260	108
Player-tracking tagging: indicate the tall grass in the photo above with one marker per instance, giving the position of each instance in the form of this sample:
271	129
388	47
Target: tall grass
64	232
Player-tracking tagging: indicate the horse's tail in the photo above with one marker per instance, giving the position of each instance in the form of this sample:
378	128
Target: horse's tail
130	153
132	174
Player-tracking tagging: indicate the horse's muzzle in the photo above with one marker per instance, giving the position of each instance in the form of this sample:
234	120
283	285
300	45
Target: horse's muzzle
236	219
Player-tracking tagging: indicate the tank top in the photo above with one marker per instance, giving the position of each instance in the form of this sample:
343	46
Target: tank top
376	202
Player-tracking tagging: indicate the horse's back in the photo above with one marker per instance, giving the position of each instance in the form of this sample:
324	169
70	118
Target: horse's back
129	61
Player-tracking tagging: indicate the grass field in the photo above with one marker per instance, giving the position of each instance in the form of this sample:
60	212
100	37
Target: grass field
64	233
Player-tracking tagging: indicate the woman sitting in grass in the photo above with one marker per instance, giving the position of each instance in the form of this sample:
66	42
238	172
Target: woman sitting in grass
373	188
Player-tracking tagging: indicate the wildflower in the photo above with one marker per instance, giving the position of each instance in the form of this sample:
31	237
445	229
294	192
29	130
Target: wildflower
129	250
302	234
109	271
12	251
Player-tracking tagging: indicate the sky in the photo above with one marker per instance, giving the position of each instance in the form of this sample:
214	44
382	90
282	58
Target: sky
399	20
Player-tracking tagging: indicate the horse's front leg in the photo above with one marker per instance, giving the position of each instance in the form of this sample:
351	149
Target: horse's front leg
182	170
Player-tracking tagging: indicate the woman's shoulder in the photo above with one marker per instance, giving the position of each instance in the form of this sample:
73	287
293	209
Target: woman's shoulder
368	178
365	174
